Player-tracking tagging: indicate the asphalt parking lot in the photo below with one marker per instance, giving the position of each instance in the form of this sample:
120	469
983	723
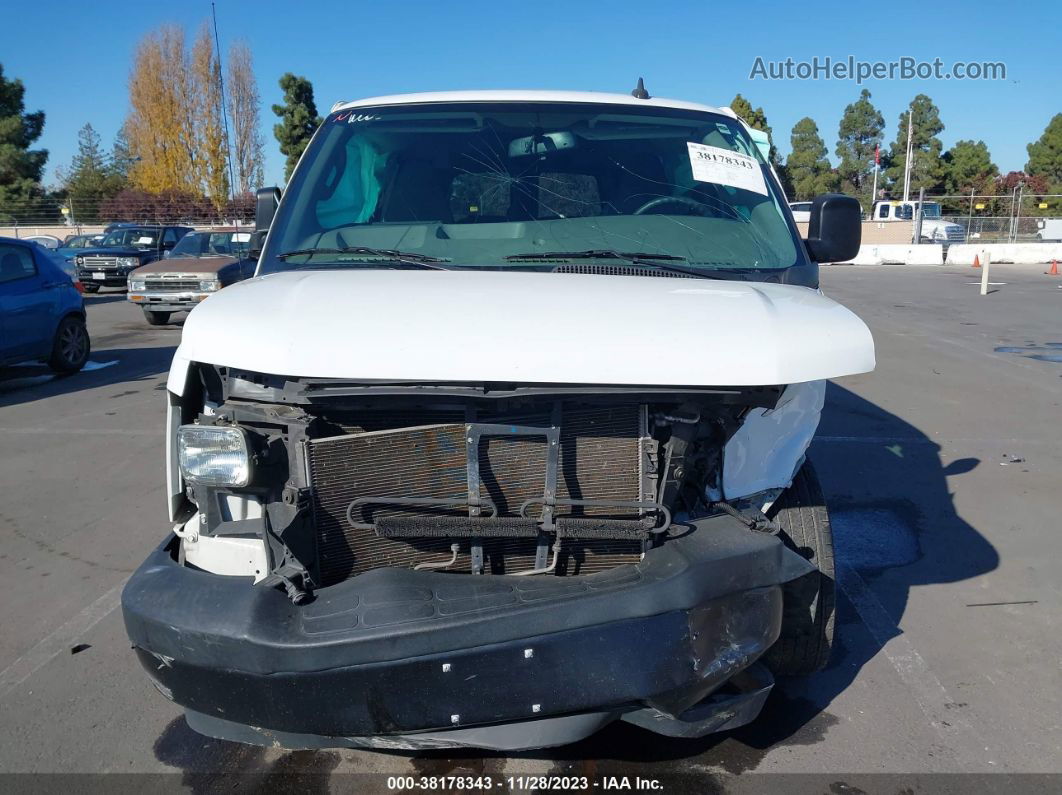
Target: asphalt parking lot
943	469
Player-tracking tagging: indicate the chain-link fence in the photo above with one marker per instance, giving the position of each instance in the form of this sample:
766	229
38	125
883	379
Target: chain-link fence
1014	217
132	206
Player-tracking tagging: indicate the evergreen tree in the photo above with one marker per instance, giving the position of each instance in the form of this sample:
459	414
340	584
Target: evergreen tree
807	165
927	167
1045	156
968	167
20	166
93	176
858	135
298	119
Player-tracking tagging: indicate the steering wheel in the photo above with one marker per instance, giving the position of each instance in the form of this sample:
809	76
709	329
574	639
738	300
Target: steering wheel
699	207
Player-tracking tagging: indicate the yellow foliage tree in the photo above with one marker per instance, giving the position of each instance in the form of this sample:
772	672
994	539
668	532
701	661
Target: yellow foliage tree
244	102
174	127
212	145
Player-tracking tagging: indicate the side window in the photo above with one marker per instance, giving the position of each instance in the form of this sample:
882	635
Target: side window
16	262
883	211
170	238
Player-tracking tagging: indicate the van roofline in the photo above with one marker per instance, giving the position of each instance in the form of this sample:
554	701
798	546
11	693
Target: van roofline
590	97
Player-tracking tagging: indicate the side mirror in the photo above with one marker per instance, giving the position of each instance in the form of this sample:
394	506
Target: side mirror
834	229
265	207
254	245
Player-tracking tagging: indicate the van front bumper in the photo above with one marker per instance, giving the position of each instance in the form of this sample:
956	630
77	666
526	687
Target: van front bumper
405	659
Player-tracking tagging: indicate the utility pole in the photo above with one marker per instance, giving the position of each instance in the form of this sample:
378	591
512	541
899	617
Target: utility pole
874	190
907	159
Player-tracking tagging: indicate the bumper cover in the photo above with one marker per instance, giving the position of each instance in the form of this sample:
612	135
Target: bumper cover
406	659
168	302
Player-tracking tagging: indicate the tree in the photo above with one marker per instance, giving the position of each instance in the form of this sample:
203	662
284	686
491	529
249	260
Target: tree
244	105
298	119
1045	156
91	176
20	166
858	136
162	109
807	166
211	146
968	167
927	168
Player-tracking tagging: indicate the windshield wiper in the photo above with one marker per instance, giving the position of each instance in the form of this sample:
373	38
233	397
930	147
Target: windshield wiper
409	258
641	258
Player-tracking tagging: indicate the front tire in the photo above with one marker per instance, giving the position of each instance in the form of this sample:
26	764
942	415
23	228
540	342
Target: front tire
72	346
157	318
804	645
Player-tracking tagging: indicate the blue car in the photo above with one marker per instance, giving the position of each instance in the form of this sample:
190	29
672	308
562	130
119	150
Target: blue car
42	314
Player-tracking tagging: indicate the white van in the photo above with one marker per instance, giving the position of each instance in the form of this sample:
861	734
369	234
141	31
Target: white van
506	439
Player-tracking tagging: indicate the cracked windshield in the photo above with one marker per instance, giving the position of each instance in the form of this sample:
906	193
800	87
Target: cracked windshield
532	188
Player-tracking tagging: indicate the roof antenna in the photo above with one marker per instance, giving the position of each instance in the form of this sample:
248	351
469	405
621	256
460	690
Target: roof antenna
640	92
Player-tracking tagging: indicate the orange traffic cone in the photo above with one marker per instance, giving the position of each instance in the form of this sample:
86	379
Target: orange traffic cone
1054	269
976	262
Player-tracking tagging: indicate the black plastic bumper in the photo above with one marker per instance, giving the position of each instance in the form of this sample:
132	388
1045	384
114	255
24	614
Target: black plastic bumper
395	652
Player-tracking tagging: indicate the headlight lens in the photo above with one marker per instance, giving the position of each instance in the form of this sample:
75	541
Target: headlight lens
128	262
137	284
214	455
79	260
209	285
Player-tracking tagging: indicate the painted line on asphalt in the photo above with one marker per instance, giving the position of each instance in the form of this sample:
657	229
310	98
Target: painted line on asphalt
960	737
59	641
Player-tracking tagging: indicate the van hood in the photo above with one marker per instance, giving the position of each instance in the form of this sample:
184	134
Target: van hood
471	326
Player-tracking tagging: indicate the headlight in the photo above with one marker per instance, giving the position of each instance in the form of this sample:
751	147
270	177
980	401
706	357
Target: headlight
128	262
137	284
79	260
209	285
214	455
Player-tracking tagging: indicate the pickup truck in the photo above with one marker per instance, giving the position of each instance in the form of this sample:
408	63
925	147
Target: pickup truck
123	249
203	262
506	440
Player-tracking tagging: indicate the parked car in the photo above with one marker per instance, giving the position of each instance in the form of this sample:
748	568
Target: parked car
123	250
801	211
203	262
42	314
74	244
506	438
47	241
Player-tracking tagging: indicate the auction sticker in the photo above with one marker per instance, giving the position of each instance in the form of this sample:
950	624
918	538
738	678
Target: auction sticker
726	167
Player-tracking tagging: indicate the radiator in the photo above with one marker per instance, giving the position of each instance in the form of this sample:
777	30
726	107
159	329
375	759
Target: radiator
602	456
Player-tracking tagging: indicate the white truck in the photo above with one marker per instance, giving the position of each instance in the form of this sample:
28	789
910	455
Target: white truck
506	438
934	228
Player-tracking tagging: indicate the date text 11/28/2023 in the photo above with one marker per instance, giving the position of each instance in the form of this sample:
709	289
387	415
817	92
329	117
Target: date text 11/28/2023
522	783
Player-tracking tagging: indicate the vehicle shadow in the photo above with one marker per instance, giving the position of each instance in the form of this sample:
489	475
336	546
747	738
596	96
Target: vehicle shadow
27	383
895	528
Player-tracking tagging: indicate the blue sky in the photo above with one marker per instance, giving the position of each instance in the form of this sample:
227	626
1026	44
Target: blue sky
74	57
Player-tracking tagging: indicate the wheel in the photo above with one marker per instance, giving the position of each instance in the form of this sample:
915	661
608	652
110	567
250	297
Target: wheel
803	647
157	318
71	348
90	288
